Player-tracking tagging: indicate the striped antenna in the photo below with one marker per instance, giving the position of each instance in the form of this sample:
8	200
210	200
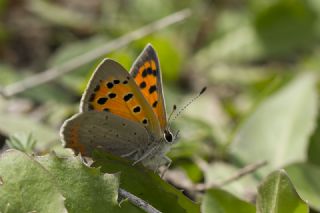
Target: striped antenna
185	106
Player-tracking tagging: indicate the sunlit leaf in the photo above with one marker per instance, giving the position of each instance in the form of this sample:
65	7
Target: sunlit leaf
277	194
279	129
305	178
25	186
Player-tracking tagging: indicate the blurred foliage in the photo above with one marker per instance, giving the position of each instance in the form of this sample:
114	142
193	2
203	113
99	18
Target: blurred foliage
22	142
259	60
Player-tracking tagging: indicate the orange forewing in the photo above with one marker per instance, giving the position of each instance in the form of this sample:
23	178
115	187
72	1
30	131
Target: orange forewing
113	100
147	75
112	89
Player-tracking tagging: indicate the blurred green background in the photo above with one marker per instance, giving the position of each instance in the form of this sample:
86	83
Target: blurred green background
259	59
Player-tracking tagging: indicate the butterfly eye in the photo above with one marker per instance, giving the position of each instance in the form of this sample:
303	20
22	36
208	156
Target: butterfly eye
168	136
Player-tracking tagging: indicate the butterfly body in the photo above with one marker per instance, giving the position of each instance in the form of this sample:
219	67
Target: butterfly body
123	113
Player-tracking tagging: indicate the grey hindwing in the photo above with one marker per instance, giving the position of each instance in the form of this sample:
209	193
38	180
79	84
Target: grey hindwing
106	131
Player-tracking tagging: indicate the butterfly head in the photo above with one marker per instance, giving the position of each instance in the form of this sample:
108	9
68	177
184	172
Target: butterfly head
168	136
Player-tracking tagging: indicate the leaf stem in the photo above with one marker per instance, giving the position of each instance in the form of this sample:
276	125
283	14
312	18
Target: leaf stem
137	201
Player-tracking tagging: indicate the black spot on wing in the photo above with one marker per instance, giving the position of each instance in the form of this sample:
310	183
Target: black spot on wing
152	89
136	109
102	101
155	103
143	85
144	73
127	97
149	71
112	95
109	85
145	121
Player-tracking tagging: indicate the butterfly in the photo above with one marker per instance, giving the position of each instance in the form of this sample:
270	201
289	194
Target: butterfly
123	113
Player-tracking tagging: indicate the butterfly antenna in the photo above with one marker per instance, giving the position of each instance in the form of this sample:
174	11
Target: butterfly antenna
174	108
190	102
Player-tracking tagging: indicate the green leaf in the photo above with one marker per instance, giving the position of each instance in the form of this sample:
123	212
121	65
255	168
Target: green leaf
305	178
85	189
219	201
145	184
25	186
277	194
279	129
314	145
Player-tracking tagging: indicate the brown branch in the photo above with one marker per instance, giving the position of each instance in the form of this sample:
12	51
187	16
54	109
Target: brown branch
55	72
137	201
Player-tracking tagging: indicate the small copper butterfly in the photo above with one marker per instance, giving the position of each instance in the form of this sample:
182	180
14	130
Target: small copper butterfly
123	113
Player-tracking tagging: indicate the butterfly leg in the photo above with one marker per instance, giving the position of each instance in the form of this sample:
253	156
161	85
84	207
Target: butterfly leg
146	154
167	165
129	154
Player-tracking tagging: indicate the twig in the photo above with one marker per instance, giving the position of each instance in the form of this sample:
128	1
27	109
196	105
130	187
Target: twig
186	185
137	201
242	172
55	72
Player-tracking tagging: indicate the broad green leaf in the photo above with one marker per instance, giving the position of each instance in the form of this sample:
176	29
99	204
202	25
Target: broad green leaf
145	184
219	201
85	189
314	145
279	129
305	178
25	186
276	194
